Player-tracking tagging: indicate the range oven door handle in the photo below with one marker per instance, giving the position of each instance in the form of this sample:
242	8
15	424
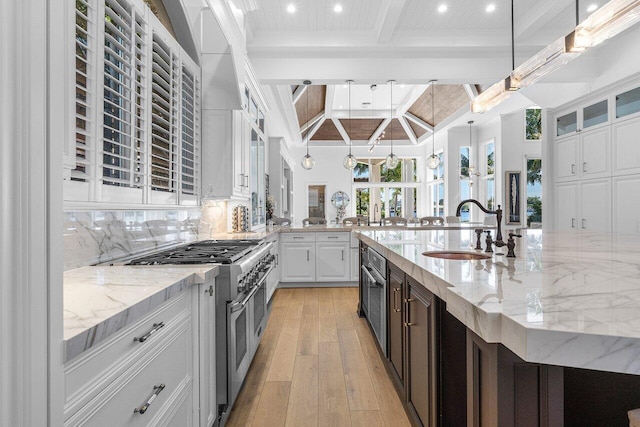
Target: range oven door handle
368	273
240	305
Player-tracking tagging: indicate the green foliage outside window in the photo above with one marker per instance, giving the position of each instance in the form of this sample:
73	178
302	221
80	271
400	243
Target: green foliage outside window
533	119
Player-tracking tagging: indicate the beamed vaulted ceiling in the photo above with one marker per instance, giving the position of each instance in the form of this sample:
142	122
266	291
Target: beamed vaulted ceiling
370	116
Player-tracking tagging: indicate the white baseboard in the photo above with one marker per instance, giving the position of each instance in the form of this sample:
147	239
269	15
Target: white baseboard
318	285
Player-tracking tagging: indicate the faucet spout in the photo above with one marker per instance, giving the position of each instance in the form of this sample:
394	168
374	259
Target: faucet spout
498	213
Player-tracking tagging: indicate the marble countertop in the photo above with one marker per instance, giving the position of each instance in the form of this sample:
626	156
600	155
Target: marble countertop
569	299
99	301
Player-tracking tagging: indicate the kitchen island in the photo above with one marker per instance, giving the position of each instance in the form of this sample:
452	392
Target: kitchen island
560	321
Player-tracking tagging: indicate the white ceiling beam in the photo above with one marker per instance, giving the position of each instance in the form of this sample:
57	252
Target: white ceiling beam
411	97
343	133
330	93
379	130
360	114
537	17
471	90
418	121
387	20
408	130
311	122
297	94
424	137
315	128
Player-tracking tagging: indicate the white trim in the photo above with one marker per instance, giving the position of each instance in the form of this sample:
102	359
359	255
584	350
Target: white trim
378	131
343	132
418	121
408	130
314	129
300	90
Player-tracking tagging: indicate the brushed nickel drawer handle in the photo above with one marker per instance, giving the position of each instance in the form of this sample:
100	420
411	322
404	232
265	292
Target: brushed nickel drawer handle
407	324
409	300
209	291
332	237
156	327
298	237
156	391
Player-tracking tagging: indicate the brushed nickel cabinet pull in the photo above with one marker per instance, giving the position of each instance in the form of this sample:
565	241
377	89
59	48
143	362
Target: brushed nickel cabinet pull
407	324
210	290
573	168
156	327
583	224
584	167
395	309
332	237
343	255
409	300
156	391
573	223
307	254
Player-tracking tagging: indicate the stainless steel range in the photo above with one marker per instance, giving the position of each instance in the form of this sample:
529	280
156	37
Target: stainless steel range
241	304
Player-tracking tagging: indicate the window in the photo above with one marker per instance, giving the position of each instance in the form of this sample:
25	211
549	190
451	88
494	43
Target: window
534	193
465	182
435	188
137	109
533	124
380	192
489	178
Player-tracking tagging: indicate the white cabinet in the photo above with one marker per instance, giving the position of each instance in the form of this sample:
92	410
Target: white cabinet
225	154
332	261
584	156
585	117
626	147
316	257
626	204
205	329
584	205
274	277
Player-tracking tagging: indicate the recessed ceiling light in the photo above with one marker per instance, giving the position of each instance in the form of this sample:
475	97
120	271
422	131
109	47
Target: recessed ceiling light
291	8
337	8
442	8
491	7
592	7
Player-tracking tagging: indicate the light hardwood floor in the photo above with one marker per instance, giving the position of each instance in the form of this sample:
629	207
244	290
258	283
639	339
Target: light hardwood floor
317	365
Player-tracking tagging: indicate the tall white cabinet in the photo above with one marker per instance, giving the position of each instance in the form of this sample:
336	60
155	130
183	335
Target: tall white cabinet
596	149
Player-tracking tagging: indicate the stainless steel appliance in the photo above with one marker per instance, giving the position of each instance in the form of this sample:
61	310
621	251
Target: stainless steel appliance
374	294
241	304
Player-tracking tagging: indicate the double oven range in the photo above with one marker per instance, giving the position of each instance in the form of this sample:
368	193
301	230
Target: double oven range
241	304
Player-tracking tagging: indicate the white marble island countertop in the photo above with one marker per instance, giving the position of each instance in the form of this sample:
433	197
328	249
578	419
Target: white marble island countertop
101	300
567	299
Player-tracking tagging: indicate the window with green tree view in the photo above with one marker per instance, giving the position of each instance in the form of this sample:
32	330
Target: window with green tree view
533	124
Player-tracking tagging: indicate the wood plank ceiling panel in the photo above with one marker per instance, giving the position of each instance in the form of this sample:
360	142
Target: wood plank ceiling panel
316	95
361	129
398	131
327	132
418	130
448	99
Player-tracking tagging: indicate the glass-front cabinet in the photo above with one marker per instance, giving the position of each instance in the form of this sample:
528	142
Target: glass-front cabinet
257	149
628	103
584	118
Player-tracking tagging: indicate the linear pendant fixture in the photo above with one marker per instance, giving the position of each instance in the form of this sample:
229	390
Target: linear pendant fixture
392	160
350	160
608	21
307	161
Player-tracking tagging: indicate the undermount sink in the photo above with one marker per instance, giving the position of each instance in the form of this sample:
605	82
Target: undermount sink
460	255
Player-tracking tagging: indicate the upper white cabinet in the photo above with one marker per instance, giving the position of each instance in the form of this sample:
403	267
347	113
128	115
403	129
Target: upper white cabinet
628	104
583	156
626	147
584	117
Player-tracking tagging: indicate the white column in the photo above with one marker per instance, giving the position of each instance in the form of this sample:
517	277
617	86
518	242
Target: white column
30	220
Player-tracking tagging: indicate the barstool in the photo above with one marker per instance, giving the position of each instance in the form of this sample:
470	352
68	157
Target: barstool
314	220
431	220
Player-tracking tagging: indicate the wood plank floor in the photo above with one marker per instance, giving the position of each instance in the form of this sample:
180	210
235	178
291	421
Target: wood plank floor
317	365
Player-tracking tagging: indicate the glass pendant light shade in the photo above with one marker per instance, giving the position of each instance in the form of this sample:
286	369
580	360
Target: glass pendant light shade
350	161
433	161
308	162
392	161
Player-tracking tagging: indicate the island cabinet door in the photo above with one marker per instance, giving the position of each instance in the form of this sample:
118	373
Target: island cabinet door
395	329
420	350
504	390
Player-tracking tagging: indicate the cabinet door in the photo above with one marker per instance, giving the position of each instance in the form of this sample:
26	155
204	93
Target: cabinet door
567	159
332	262
420	353
298	262
206	333
238	172
596	153
274	276
566	206
625	205
355	264
395	282
596	205
626	147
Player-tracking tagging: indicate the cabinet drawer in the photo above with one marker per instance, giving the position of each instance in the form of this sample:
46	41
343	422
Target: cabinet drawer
108	359
332	237
298	237
168	366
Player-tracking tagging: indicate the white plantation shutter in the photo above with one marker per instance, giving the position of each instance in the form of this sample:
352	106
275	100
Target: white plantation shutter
164	117
137	108
119	160
190	133
85	55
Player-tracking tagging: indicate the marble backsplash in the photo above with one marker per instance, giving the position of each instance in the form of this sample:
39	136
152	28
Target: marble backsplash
94	237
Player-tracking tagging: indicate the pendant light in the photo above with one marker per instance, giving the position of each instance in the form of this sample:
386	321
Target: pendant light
307	161
392	160
433	161
350	161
